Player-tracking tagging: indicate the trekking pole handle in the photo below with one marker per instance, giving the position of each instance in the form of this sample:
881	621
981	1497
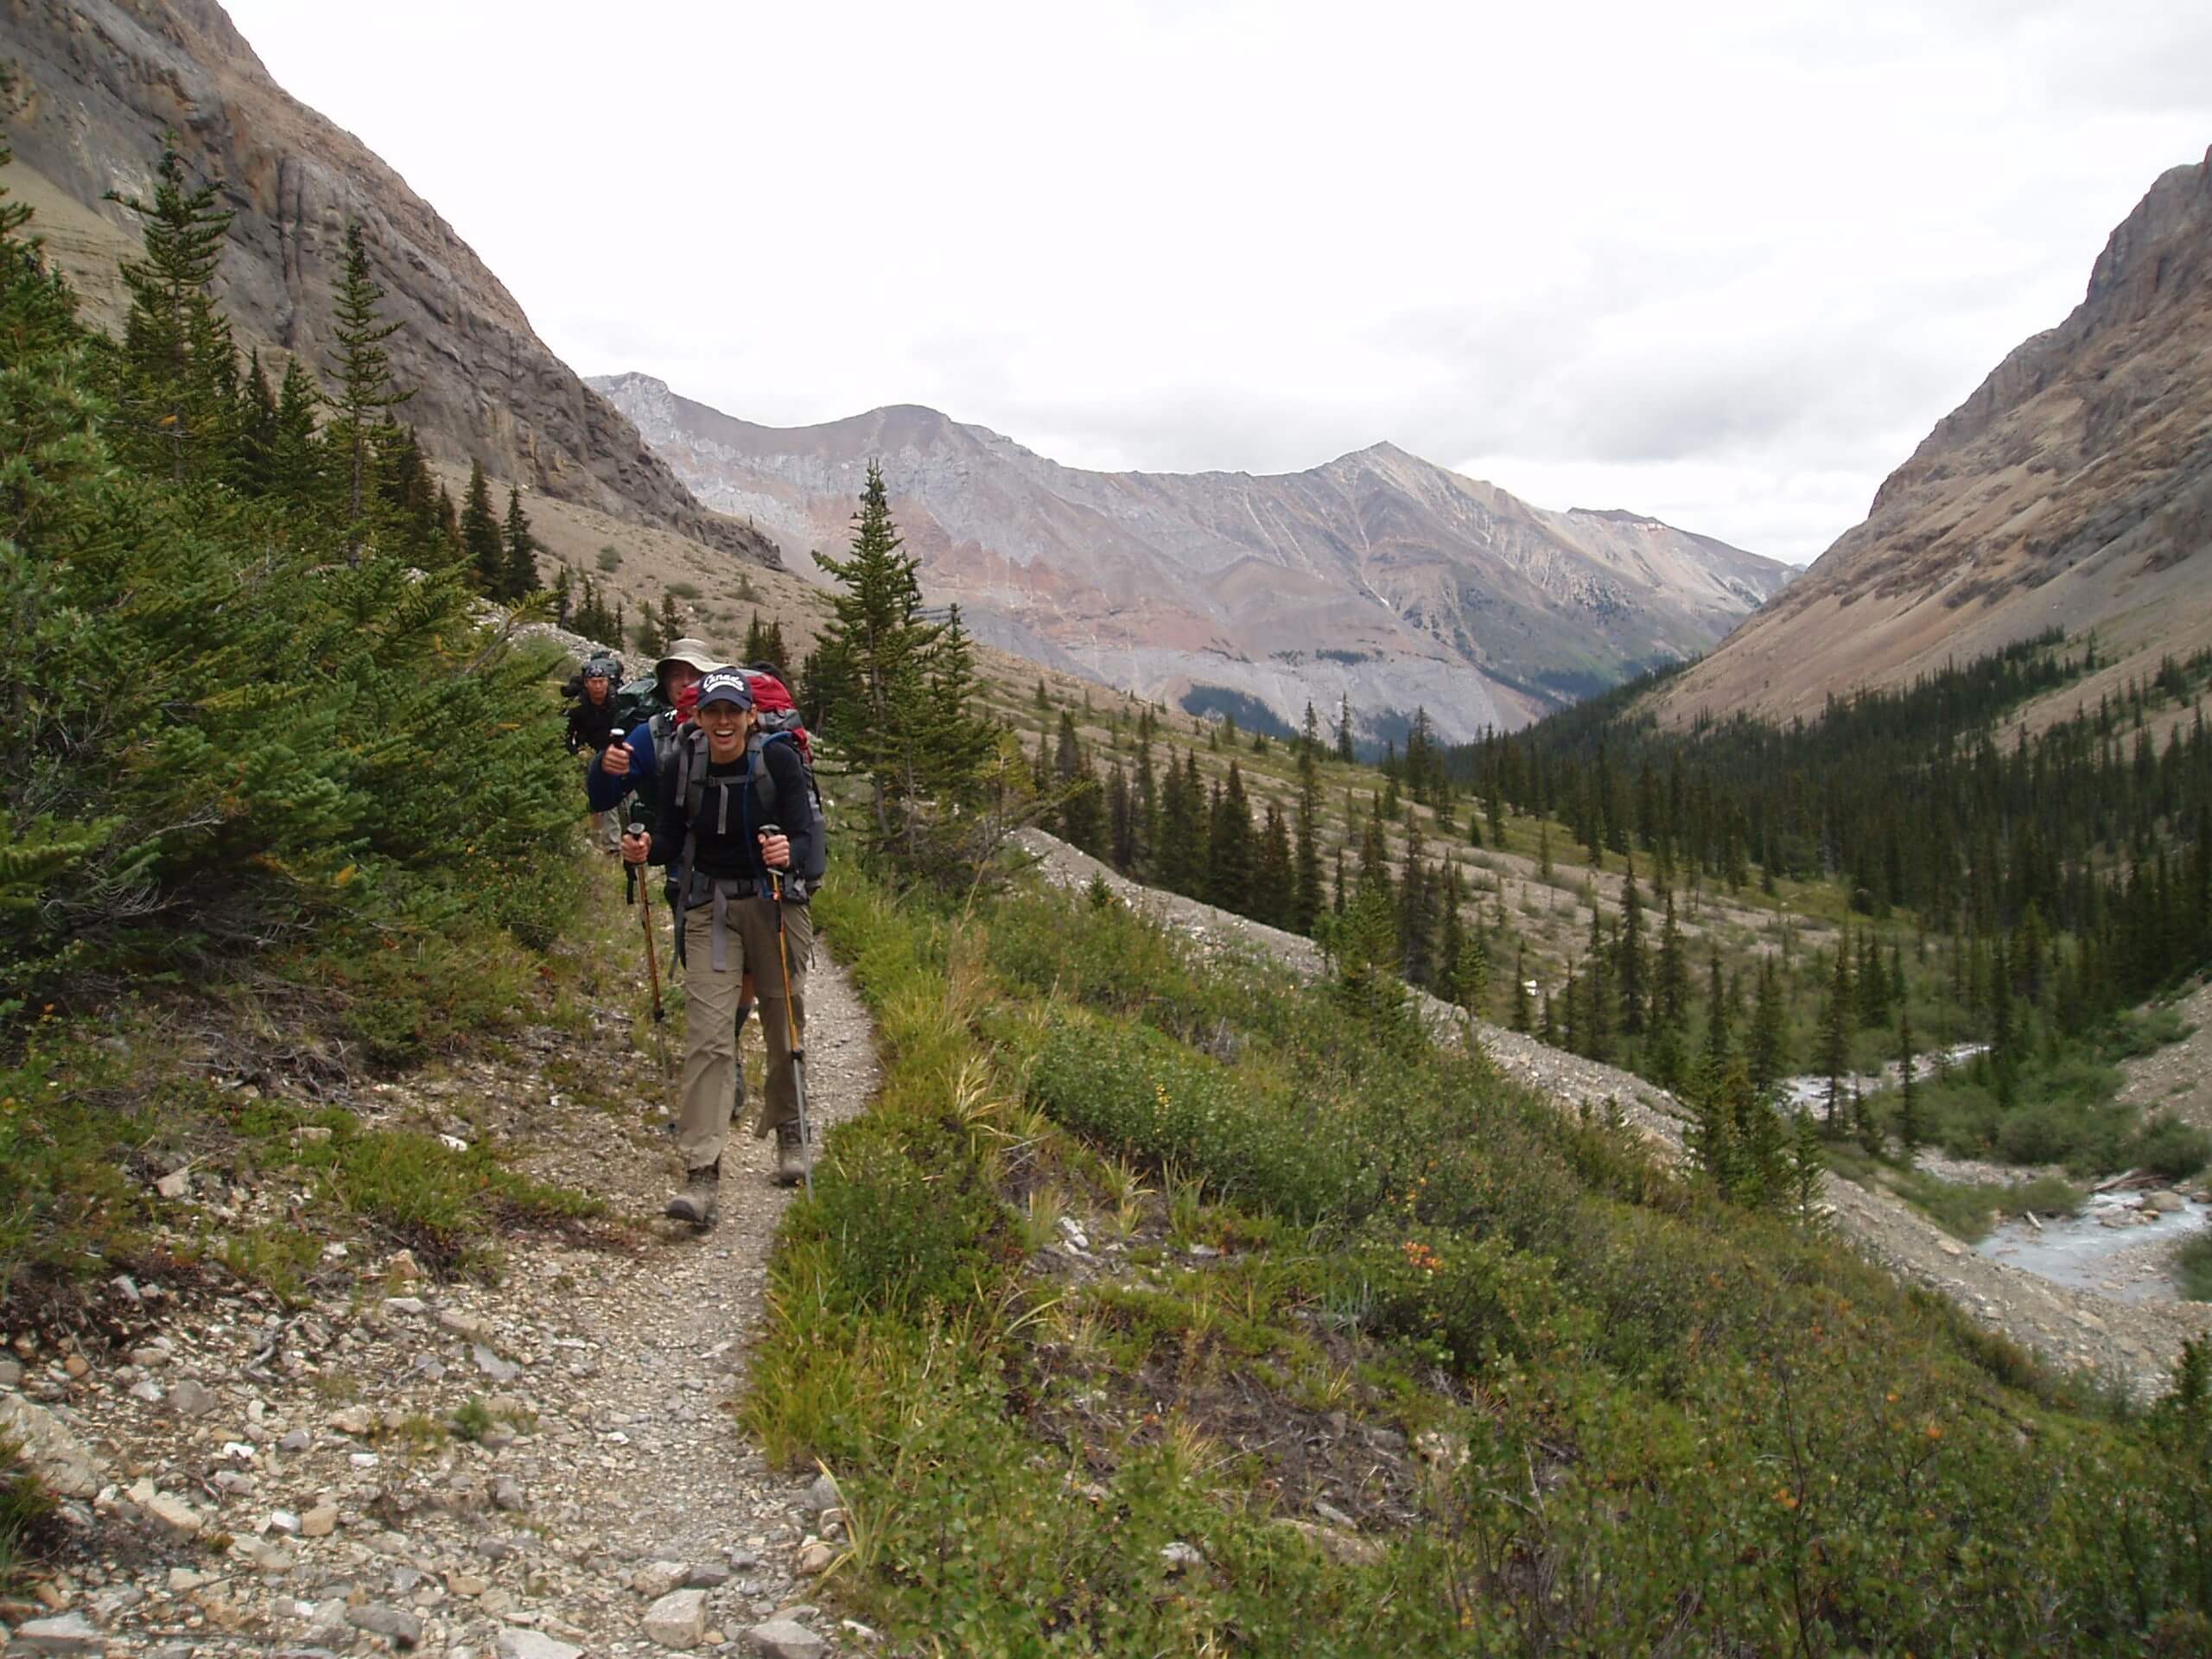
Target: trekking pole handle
775	876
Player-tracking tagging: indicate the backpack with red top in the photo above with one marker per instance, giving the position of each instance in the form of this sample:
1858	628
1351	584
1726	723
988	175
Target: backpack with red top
774	715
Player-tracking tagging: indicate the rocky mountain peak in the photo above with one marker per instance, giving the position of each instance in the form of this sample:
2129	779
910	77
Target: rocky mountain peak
2073	489
1377	575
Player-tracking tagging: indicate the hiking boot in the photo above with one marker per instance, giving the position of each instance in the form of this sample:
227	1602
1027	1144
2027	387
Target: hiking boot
696	1203
792	1157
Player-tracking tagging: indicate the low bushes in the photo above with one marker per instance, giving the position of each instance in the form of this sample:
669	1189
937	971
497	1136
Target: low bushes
1651	1421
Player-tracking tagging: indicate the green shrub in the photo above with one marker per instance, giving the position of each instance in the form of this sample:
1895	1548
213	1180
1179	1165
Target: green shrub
610	558
2175	1149
900	1214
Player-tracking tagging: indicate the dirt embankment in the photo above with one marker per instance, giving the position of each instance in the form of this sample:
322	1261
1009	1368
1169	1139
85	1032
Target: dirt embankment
2134	1345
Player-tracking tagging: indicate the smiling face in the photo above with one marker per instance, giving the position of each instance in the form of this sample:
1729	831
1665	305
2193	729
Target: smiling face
727	727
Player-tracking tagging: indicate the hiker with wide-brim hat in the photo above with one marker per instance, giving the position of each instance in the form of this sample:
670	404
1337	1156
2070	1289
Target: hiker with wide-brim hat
718	792
633	764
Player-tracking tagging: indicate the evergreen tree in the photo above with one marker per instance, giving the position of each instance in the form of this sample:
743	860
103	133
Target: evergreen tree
1417	914
1597	1024
175	370
882	647
1671	987
956	742
1909	1125
1275	887
1835	1032
1769	1058
1305	860
671	619
360	409
1083	816
1631	973
1343	730
1717	1045
480	543
1231	849
1520	1020
647	636
519	558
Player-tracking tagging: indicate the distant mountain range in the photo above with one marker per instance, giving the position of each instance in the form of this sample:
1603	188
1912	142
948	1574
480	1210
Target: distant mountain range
92	84
2072	488
1378	575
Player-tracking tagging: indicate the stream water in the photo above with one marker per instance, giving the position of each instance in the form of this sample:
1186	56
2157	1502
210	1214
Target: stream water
2110	1248
2115	1246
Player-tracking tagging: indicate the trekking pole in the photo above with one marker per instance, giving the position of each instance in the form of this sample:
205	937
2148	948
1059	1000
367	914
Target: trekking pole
794	1027
653	956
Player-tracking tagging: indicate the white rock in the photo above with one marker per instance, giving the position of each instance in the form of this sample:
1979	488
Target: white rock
174	1186
656	1578
515	1642
70	1633
786	1638
678	1620
1181	1557
172	1512
64	1464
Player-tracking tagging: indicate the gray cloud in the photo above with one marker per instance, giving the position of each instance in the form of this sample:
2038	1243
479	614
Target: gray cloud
1725	264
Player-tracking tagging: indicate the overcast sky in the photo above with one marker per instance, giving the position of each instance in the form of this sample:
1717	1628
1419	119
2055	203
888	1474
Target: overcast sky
1724	264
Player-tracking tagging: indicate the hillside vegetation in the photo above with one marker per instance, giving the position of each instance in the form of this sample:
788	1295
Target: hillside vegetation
1163	1304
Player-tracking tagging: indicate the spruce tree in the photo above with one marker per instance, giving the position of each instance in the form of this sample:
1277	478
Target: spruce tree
1231	849
1717	1044
1275	885
1769	1060
1520	1020
1343	730
480	543
1305	860
1835	1032
518	556
1909	1126
1629	972
175	368
878	632
360	409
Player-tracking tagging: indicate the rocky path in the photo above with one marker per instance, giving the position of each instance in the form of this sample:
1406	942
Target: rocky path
2132	1345
539	1468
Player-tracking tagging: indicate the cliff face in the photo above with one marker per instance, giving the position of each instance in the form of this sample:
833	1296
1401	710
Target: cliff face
95	84
1378	575
2074	487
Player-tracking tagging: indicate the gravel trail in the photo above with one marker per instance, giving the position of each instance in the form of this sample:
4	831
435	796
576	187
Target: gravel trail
262	1479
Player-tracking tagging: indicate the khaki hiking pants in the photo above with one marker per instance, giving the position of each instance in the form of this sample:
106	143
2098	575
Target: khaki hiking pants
710	998
605	833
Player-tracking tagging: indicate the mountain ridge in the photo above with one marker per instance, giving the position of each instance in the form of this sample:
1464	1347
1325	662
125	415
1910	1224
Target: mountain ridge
2072	486
1376	575
93	84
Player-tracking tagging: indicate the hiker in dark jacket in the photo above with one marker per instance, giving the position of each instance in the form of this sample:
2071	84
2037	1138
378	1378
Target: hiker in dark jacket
591	728
630	766
717	792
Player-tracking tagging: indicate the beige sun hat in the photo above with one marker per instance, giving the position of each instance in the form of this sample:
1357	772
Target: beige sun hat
696	653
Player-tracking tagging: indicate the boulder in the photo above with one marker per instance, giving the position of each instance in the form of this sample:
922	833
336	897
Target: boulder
786	1638
678	1620
65	1465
